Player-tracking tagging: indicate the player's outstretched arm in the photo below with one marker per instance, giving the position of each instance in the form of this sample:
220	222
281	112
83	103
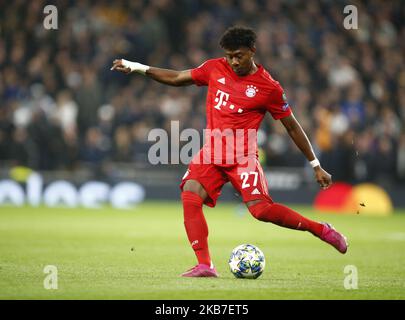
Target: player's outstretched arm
299	137
166	76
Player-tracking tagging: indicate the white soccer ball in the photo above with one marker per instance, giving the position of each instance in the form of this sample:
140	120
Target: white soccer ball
247	261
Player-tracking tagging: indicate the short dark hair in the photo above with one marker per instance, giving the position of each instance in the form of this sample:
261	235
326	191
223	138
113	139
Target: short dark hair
238	36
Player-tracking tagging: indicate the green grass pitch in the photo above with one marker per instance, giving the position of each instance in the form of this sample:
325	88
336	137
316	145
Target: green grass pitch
139	254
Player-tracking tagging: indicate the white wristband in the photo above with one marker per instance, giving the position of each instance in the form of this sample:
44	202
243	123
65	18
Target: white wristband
135	66
314	163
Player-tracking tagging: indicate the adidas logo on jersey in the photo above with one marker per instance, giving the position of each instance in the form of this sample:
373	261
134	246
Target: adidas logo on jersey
222	80
255	191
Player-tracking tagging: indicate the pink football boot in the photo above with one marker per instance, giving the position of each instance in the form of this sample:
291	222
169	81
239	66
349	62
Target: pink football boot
334	238
201	270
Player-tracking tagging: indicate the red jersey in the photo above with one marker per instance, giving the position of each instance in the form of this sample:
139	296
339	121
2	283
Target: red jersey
236	106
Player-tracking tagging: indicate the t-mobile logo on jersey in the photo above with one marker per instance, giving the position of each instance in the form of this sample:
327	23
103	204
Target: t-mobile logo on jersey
221	99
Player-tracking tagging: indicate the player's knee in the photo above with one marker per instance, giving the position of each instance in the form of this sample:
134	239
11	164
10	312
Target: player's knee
195	187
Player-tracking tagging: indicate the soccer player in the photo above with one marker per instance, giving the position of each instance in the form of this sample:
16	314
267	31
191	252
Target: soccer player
240	92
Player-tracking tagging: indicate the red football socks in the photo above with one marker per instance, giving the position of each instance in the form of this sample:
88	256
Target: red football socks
196	226
284	217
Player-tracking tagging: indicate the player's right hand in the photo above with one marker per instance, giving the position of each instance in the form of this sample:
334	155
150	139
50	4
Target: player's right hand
323	178
118	65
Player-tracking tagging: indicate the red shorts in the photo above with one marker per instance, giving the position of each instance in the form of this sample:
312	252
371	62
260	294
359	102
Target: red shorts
250	182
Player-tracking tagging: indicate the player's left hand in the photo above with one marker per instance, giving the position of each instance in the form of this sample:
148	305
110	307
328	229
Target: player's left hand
324	179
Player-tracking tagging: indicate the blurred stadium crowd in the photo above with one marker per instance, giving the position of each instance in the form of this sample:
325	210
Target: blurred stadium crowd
62	107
